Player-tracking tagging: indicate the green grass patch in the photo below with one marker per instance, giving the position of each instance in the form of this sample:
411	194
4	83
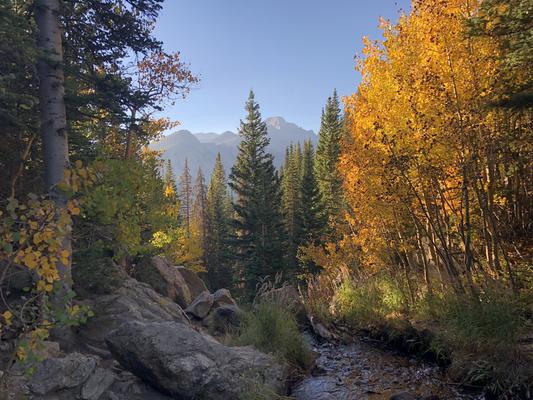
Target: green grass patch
369	303
274	330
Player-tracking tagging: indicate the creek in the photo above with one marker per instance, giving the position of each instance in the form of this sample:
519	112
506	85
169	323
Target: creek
362	371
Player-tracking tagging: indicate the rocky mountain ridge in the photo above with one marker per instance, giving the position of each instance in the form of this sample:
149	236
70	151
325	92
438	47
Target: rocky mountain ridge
200	149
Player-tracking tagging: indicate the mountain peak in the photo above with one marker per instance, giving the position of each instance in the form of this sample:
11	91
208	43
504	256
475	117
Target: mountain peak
200	149
275	122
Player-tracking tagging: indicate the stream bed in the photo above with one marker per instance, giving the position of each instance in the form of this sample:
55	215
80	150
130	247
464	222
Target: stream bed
362	371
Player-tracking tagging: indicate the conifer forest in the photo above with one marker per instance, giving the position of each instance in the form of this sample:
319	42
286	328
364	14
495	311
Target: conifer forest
389	256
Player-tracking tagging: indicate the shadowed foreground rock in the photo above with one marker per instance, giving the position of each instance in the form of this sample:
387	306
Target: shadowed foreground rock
168	280
187	364
133	301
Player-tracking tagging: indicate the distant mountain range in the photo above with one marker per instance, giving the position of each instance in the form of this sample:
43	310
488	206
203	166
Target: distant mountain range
201	149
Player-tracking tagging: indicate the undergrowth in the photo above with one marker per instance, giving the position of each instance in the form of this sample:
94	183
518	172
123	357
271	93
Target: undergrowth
274	330
478	335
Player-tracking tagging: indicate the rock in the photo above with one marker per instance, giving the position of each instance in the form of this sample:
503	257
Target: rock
223	297
48	349
319	329
165	279
194	283
55	374
321	388
201	306
128	387
224	319
17	279
186	364
288	298
403	396
133	301
97	384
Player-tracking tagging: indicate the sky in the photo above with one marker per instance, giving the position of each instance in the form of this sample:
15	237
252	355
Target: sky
292	53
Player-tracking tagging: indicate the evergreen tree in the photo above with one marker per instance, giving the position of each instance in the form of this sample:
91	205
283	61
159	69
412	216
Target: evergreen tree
170	181
312	219
258	223
292	212
327	157
185	196
219	273
200	215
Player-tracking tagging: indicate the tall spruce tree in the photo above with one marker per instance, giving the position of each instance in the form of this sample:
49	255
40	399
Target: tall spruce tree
219	271
186	197
200	215
312	219
258	222
170	180
327	157
292	212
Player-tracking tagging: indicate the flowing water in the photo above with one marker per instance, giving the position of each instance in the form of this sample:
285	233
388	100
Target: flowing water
361	371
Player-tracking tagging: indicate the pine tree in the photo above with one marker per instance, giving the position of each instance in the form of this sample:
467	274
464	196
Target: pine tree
327	157
312	219
185	196
219	272
291	207
200	215
258	223
169	179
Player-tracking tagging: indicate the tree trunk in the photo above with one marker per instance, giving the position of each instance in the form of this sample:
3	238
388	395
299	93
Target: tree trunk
53	118
128	152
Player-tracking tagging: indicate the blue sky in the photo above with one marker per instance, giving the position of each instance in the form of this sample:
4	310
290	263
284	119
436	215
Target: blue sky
291	52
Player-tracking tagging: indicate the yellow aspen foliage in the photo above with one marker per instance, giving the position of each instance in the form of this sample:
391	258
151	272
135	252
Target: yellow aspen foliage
426	165
31	237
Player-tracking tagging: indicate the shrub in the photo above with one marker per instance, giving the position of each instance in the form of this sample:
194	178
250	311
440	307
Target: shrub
274	330
492	321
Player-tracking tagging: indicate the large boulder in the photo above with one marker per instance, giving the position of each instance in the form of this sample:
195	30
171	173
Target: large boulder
133	301
224	319
187	364
82	377
194	283
165	279
99	382
223	297
201	306
56	374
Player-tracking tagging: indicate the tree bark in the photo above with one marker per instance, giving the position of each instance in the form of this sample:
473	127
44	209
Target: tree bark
53	116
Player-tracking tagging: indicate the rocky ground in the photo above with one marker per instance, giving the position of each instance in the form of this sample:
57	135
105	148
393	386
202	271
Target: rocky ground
155	338
142	345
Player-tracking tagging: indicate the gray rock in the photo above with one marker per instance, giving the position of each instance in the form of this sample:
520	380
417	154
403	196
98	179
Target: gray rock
223	297
224	319
133	301
403	396
201	306
165	279
128	387
195	284
319	329
321	388
17	279
97	384
187	364
55	374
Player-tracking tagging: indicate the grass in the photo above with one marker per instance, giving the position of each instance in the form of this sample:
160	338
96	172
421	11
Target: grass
369	303
274	330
